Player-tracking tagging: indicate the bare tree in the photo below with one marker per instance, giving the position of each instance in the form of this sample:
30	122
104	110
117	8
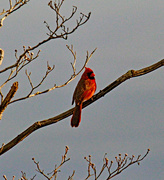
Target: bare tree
61	31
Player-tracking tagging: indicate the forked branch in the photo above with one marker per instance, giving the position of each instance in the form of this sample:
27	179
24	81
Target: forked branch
122	163
20	64
18	4
62	30
54	172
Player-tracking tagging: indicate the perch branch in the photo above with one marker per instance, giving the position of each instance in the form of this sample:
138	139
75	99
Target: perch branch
46	122
124	77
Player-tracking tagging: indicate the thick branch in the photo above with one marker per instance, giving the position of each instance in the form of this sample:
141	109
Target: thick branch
8	98
38	125
124	77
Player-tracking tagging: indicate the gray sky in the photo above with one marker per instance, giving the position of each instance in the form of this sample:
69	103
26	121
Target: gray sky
128	35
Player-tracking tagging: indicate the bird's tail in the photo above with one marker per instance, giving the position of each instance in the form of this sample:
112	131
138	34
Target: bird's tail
76	118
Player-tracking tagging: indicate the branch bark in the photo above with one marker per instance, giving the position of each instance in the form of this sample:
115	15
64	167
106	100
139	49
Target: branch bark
8	98
46	122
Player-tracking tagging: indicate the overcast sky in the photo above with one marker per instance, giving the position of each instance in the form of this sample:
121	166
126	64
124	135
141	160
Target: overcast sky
128	35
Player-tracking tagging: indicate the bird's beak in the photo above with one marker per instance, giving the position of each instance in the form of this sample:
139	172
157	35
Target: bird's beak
92	75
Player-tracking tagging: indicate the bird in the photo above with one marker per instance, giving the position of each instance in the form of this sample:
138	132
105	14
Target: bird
1	55
84	90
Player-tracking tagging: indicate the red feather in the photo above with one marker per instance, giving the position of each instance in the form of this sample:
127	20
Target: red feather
85	89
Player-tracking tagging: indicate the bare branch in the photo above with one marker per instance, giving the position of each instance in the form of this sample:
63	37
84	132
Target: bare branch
53	174
28	76
90	164
4	176
74	56
125	163
1	95
71	177
1	55
20	64
122	164
15	7
39	170
8	98
10	1
24	176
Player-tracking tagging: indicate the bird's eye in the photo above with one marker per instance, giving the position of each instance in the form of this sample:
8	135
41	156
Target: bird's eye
91	75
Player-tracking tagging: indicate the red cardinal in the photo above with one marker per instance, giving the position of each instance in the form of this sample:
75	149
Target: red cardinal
85	89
